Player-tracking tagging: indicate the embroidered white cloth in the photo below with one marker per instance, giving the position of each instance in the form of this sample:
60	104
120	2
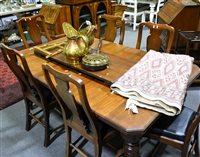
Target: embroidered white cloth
158	82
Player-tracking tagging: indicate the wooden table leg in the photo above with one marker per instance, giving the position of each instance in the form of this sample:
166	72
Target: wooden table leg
131	145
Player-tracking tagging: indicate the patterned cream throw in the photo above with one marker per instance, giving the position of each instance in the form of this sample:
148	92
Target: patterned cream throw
158	82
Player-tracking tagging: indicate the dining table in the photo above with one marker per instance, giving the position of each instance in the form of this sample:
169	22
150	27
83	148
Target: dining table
108	107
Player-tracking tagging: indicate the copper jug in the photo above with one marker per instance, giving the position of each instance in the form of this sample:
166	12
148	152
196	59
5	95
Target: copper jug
75	48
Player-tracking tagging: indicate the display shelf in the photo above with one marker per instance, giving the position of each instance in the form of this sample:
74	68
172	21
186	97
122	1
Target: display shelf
15	11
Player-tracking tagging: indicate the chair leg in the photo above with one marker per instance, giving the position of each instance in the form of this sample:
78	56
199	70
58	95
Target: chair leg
157	150
143	17
28	104
156	18
68	141
47	128
134	22
98	149
196	136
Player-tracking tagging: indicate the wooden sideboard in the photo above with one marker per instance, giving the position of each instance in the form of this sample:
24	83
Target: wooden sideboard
55	15
183	15
83	10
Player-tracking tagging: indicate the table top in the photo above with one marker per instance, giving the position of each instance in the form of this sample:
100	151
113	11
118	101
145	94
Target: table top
108	75
107	106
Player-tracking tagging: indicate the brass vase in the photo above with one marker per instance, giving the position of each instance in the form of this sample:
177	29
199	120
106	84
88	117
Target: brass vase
75	48
88	33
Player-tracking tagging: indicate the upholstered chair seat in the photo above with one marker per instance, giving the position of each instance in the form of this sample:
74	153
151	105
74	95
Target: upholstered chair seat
175	128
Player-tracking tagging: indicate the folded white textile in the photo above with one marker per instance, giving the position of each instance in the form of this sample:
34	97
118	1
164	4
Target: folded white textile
158	82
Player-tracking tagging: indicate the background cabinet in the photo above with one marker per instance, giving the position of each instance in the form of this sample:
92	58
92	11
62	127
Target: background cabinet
86	10
183	15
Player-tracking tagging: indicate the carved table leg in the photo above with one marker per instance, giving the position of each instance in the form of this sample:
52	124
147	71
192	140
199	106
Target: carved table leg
131	145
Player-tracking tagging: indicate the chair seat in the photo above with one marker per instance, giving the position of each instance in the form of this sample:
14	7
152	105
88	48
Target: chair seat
174	127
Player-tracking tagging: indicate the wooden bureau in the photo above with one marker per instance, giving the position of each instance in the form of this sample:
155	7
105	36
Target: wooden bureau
55	15
183	15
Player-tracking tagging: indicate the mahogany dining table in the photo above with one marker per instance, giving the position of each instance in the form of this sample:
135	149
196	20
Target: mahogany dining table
108	107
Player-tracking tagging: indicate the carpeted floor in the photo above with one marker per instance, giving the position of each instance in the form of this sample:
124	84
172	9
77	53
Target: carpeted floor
10	90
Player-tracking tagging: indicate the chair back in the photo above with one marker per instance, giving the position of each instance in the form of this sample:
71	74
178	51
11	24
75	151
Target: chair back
131	4
71	95
154	40
112	24
135	12
35	27
17	63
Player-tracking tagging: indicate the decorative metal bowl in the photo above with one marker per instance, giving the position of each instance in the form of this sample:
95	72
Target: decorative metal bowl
95	62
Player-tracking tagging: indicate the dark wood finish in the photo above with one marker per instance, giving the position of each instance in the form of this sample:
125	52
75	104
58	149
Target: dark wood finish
192	43
30	24
54	16
187	146
113	23
191	48
183	15
83	10
81	13
118	55
108	107
34	93
99	7
76	111
154	41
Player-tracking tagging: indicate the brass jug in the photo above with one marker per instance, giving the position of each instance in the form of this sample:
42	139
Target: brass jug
75	48
88	33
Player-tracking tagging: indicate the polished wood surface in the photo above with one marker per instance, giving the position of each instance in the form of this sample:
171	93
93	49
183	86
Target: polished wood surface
107	106
118	55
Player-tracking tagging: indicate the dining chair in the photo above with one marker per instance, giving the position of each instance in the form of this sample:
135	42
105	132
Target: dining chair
111	24
134	12
39	100
76	112
154	40
180	132
32	29
159	4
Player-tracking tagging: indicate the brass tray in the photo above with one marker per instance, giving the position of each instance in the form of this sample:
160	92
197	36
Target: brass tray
53	52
